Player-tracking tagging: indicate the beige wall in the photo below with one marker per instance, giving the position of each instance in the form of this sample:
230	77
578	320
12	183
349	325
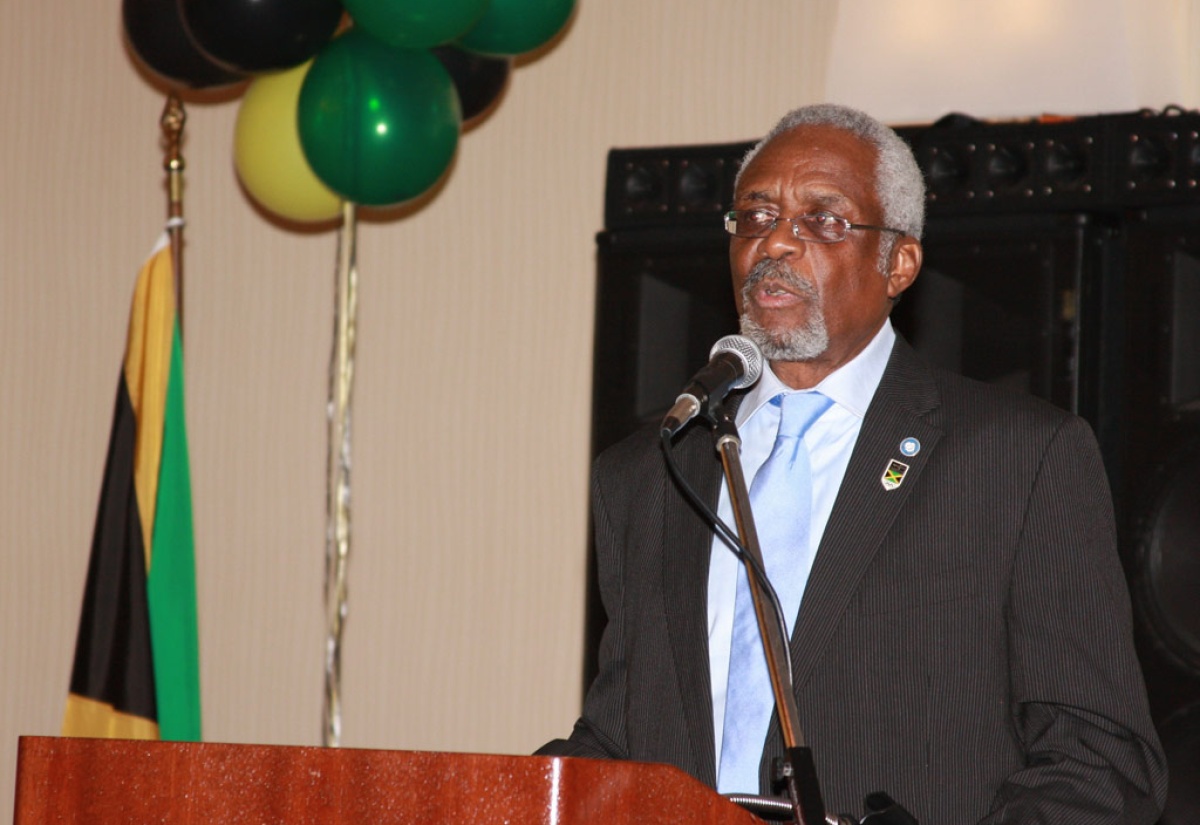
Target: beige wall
472	394
1015	59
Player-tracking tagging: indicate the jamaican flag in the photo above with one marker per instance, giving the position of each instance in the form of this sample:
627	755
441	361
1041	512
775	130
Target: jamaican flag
136	673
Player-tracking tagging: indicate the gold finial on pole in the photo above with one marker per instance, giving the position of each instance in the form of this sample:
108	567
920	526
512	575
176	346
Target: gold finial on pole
172	121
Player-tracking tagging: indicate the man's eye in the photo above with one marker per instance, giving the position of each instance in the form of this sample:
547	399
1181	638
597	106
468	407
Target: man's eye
758	218
824	219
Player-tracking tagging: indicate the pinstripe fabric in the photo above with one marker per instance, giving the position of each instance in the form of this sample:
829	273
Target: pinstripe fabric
964	642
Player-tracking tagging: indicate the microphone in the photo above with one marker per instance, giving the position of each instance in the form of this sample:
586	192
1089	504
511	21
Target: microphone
733	363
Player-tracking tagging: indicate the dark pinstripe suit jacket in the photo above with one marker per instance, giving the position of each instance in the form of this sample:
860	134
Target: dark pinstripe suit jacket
964	641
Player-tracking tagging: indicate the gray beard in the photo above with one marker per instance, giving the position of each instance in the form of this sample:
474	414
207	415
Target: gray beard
802	343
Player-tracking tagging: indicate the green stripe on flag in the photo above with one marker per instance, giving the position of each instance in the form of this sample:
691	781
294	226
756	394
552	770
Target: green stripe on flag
171	584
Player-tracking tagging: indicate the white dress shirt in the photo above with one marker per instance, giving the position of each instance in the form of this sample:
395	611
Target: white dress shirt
830	441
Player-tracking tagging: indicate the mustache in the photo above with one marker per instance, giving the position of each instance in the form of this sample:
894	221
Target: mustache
778	271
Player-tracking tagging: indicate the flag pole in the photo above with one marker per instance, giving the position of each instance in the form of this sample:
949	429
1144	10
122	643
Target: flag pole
172	121
337	537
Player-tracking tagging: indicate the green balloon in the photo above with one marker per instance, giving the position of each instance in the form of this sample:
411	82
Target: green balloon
512	27
378	125
415	24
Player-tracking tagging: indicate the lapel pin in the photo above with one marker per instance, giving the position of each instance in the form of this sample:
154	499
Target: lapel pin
893	474
910	446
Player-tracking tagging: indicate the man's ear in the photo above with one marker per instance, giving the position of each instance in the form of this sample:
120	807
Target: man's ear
904	265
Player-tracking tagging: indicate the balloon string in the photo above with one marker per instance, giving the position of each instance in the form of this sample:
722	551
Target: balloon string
337	539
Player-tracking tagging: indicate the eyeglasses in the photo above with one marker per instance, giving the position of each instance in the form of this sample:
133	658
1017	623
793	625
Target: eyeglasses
817	227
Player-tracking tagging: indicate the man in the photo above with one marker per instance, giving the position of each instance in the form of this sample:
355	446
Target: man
963	637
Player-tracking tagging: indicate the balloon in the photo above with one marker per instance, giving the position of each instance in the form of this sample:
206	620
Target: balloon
155	32
511	27
415	24
260	35
267	153
378	125
478	80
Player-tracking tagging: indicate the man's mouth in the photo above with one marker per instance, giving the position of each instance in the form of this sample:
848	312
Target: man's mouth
771	286
770	297
771	283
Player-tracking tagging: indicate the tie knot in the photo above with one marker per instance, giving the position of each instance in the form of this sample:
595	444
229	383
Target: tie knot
798	410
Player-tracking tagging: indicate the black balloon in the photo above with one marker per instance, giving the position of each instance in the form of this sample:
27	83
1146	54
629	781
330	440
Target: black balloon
478	80
155	32
260	35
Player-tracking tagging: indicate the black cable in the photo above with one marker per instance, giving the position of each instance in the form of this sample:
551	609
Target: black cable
736	547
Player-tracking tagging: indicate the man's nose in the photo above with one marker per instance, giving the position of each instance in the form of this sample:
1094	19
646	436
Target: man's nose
781	241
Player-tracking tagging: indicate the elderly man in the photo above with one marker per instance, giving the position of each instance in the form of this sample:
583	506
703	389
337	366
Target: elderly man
958	617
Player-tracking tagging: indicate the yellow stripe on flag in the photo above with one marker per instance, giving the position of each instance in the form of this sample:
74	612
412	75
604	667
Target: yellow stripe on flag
147	368
100	720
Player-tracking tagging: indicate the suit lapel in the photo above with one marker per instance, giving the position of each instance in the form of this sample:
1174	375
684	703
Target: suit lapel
865	509
861	518
686	543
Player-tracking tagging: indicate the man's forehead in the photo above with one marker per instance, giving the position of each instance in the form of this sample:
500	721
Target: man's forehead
818	198
818	163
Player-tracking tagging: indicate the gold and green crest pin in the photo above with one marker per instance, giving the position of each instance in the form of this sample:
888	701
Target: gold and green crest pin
893	474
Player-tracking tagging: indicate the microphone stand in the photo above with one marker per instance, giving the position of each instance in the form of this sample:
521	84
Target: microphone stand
798	768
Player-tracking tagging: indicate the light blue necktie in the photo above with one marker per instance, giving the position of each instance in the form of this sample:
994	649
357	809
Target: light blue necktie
781	500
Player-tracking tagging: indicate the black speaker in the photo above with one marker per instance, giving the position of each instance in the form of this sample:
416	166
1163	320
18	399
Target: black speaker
1002	299
662	298
1160	455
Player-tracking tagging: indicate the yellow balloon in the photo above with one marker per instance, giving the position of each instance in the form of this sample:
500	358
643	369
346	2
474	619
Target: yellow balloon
267	153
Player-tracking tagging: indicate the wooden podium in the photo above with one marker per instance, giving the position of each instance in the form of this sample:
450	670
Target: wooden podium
99	781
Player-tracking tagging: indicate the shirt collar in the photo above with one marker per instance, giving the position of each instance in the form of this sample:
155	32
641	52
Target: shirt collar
850	386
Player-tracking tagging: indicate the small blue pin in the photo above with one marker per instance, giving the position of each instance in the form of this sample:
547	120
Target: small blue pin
910	446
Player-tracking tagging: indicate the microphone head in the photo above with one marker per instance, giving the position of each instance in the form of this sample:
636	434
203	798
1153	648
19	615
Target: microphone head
747	352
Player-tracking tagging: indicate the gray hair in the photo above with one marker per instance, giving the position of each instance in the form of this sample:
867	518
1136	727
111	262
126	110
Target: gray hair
899	184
